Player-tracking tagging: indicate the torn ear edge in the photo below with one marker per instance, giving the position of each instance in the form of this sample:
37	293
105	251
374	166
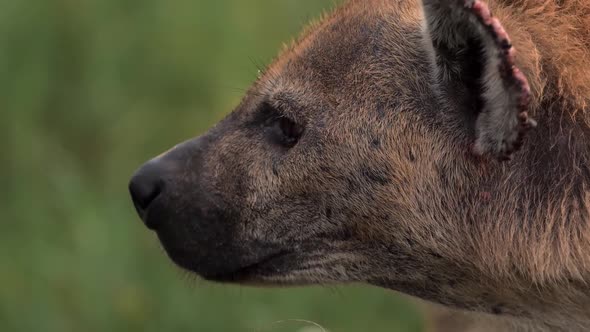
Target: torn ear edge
502	120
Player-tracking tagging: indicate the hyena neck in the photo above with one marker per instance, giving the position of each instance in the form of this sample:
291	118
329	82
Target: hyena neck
535	211
515	237
522	259
530	228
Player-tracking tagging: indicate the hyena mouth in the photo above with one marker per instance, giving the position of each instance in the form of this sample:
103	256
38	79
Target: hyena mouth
271	265
243	271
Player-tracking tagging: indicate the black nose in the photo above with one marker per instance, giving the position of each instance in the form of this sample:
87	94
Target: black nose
145	187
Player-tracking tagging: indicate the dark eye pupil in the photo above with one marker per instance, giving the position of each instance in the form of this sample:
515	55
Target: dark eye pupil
290	130
279	129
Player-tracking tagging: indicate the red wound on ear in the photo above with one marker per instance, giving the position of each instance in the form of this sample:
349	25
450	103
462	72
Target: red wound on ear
507	69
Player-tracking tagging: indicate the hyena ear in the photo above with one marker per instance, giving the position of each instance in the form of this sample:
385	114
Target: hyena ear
474	70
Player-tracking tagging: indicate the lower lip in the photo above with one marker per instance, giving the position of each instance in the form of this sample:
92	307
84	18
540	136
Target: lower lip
245	273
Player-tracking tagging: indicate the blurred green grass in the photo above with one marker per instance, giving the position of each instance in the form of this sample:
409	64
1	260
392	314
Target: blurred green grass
89	89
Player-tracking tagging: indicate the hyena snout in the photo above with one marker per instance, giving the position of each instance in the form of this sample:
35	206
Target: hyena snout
175	197
155	182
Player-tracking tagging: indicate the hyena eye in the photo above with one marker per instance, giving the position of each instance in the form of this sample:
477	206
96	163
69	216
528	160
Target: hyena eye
280	129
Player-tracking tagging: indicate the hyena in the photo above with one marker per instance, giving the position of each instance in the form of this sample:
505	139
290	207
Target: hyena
437	148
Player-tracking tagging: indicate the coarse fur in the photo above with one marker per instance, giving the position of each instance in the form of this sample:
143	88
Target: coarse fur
382	186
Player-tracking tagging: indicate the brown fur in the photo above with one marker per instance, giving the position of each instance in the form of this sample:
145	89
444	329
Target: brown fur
554	37
382	187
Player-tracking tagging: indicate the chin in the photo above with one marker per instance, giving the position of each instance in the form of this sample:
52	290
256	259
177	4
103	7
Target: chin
282	269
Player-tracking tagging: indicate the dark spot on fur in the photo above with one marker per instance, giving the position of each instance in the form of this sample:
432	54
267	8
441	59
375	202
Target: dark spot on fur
498	309
328	212
275	169
375	143
374	175
435	255
351	185
411	155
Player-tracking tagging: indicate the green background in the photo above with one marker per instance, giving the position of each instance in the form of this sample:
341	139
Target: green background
89	90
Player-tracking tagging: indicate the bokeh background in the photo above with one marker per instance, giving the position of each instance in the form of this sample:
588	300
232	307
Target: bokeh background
90	89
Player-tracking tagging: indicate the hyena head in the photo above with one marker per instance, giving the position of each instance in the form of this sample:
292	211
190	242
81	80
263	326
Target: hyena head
369	151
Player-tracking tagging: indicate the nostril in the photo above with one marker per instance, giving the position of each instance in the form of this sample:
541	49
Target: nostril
144	190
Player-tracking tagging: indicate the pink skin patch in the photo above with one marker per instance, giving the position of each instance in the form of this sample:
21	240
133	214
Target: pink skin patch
511	54
482	10
500	32
507	67
485	196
